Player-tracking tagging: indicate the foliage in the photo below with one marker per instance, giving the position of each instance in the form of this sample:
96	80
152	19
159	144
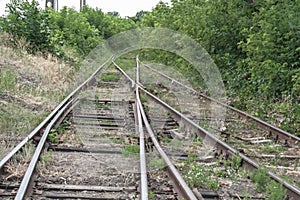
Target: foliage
151	194
200	176
271	47
53	137
25	20
139	16
107	24
255	44
273	190
260	178
66	33
72	29
157	163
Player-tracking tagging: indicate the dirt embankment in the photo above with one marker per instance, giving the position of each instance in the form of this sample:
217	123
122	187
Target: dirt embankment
30	87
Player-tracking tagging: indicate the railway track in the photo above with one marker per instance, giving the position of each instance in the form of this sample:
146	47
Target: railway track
227	151
101	142
277	149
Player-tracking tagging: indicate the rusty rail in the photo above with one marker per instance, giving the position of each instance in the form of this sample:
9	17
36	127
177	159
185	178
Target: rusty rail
246	162
52	114
182	188
288	137
143	169
34	160
180	185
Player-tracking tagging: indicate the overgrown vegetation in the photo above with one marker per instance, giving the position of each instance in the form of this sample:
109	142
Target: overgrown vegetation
255	44
67	33
156	163
207	176
198	175
55	134
30	87
273	190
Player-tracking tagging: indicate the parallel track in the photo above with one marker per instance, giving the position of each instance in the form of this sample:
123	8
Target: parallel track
278	133
93	119
117	125
250	135
224	149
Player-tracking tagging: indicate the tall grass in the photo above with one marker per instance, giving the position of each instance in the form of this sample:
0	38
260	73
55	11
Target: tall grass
30	87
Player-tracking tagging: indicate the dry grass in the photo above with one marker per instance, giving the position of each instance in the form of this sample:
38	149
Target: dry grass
39	83
16	168
46	75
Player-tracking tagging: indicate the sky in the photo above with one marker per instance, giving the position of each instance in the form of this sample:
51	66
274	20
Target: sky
124	7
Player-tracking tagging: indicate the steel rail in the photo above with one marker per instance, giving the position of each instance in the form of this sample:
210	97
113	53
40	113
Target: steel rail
52	114
265	125
246	162
180	184
143	168
29	172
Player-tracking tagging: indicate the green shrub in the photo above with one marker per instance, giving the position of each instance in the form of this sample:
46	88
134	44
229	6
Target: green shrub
73	29
26	20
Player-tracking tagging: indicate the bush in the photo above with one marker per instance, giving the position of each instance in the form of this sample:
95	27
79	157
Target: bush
26	20
71	28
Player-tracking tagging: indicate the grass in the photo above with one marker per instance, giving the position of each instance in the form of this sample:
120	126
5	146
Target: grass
110	76
273	149
143	98
165	139
118	140
17	120
127	64
17	166
46	157
176	143
131	150
151	194
263	183
8	80
157	163
201	175
30	87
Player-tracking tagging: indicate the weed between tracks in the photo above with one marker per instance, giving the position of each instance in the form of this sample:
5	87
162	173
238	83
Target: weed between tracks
151	194
156	163
110	76
131	150
66	134
211	176
272	189
56	134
